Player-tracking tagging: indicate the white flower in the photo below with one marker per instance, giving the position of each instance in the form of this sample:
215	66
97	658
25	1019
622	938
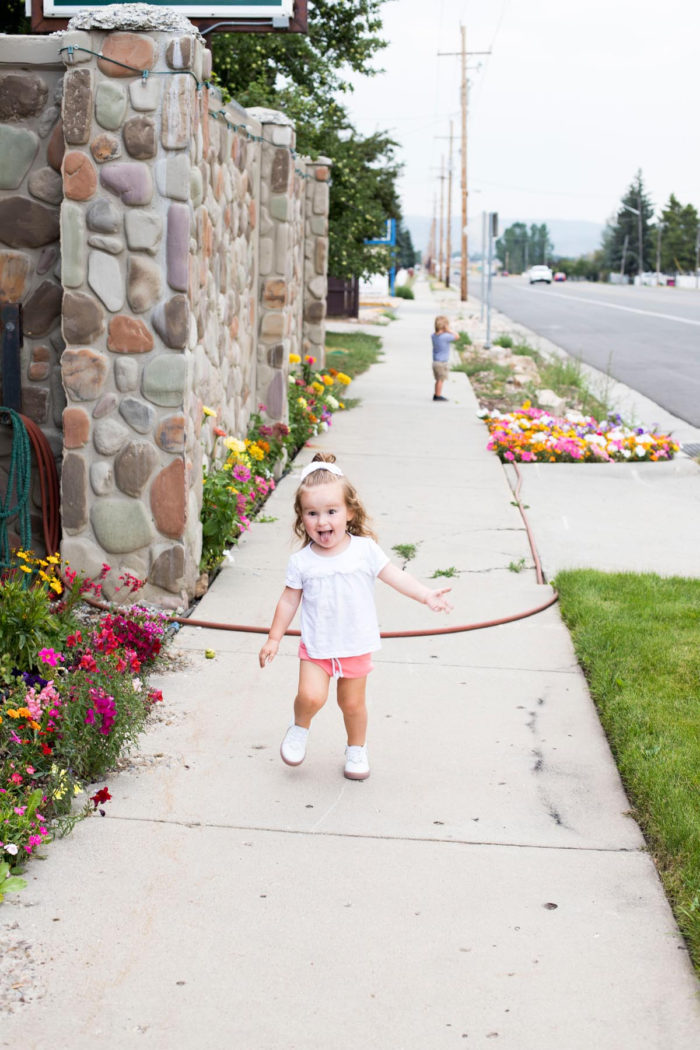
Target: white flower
641	451
331	402
11	848
136	683
626	453
597	439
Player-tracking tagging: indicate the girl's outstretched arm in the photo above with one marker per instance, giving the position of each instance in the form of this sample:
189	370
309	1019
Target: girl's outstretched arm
404	583
284	614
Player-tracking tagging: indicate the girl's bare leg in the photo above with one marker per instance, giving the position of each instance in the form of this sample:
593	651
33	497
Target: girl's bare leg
352	702
312	693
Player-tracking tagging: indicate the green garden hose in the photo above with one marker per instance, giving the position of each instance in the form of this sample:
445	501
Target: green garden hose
19	482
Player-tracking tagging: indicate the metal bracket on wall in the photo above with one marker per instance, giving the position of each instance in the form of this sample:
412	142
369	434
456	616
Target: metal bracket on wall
10	364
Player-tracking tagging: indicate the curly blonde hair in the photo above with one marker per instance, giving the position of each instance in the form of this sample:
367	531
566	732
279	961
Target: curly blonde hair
358	525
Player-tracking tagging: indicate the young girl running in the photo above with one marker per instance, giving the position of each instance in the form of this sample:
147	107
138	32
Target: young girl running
333	576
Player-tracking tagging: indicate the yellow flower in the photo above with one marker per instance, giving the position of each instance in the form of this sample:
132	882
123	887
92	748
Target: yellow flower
328	380
235	445
256	453
294	359
11	713
25	568
318	387
342	378
208	411
0	720
56	586
43	576
301	401
77	790
54	559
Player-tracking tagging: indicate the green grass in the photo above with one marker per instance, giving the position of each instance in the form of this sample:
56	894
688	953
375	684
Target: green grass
637	638
406	551
565	376
353	352
449	573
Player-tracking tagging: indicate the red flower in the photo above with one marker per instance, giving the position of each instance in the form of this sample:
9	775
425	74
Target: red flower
46	750
155	696
100	797
220	432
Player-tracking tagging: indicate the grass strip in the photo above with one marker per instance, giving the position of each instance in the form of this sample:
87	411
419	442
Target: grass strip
637	638
352	353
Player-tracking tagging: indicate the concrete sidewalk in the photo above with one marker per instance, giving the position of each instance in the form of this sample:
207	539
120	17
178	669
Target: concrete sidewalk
485	887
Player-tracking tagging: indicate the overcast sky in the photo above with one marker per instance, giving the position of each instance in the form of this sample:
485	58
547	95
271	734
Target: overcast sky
575	97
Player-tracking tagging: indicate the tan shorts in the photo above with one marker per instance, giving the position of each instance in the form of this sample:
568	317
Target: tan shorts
441	369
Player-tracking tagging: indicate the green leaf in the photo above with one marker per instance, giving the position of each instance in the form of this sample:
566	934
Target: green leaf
13	885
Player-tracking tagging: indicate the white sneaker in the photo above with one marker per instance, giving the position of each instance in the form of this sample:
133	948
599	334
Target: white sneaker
293	747
356	762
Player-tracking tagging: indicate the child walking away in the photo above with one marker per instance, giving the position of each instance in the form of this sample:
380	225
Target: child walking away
441	337
332	577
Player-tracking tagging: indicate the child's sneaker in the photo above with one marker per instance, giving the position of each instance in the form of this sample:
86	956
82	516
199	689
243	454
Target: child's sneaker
293	747
356	762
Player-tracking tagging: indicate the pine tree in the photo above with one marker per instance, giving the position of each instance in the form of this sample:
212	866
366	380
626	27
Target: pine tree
677	237
621	239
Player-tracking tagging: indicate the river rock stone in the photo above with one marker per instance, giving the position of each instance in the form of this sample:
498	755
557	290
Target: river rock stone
129	335
35	403
76	427
171	321
321	256
168	569
173	177
144	230
112	245
22	95
126	374
168	500
175	113
121	525
56	147
177	247
134	466
79	176
129	49
102	478
106	280
14	271
140	137
83	318
315	312
110	105
105	147
105	406
163	380
77	106
26	224
131	181
18	147
272	326
73	247
109	436
73	493
42	309
84	373
275	397
47	120
47	257
144	283
139	415
275	292
279	176
144	95
180	52
170	434
39	363
103	217
46	184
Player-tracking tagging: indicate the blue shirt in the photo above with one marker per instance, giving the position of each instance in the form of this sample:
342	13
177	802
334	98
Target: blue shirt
441	345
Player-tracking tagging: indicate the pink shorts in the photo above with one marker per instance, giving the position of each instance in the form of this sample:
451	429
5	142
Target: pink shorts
343	667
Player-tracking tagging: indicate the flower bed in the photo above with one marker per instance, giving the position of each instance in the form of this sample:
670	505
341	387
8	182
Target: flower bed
236	488
531	435
73	698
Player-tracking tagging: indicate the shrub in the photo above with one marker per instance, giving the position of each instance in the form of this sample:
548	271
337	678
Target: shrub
404	291
503	340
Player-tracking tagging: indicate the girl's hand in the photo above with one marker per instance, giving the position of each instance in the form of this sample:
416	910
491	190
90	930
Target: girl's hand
268	652
437	601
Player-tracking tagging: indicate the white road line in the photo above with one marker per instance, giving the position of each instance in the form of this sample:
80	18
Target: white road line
615	306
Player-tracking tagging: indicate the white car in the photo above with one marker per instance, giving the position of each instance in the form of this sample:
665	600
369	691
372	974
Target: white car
540	273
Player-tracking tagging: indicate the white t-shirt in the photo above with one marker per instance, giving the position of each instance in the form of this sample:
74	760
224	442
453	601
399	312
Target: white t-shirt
338	614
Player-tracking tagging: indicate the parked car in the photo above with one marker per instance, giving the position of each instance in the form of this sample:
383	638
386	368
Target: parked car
560	275
540	273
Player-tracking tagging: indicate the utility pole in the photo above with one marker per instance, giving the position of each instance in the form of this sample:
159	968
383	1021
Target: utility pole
464	288
431	244
441	255
449	213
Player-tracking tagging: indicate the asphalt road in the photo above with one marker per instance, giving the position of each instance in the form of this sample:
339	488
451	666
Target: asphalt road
647	338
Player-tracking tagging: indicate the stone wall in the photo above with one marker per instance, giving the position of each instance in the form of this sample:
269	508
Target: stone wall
31	151
175	296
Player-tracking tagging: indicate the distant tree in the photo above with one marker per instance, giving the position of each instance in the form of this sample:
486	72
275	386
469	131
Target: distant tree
677	236
406	254
621	248
540	245
589	267
512	248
